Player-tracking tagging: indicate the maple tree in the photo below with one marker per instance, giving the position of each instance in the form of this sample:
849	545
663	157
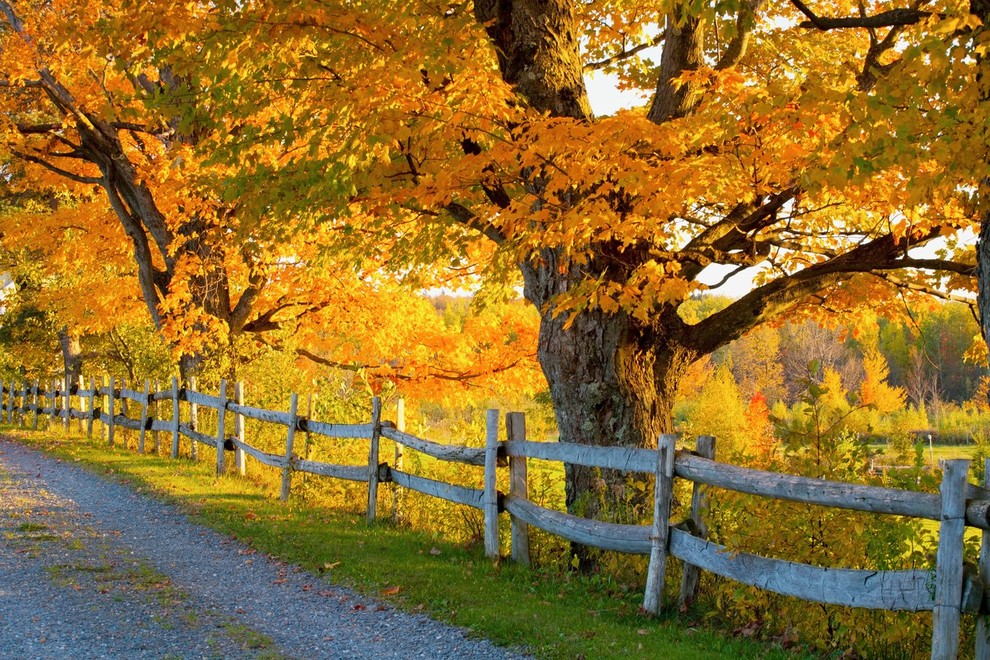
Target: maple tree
112	144
822	145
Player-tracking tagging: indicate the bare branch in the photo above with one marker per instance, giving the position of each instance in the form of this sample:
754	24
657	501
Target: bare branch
890	18
624	55
437	373
89	180
921	288
23	83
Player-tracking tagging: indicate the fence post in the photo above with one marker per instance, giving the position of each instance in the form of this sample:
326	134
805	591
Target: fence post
80	386
193	421
705	448
490	497
400	425
10	402
376	431
662	495
983	620
34	397
221	419
104	426
54	410
175	417
24	405
111	394
515	428
157	415
66	403
92	408
289	440
123	411
307	439
144	416
949	560
239	428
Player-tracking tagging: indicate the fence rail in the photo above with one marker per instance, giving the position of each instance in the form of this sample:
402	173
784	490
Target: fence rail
947	591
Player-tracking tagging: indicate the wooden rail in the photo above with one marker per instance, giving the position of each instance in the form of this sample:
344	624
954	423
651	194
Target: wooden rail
947	591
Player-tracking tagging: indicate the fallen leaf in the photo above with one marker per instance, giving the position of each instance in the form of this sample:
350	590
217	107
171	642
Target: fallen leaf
391	591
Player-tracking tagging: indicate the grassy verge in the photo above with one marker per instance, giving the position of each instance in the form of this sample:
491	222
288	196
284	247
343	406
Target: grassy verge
550	616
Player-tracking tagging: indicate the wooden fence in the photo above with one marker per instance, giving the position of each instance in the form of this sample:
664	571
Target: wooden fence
948	591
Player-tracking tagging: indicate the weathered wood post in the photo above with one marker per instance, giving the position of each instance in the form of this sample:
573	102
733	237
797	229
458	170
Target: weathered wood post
157	415
983	620
53	413
80	388
705	448
123	411
92	408
10	402
307	439
193	421
490	497
239	429
104	426
400	425
34	398
662	494
144	416
24	404
221	421
949	561
111	395
376	434
175	417
515	429
289	440
66	404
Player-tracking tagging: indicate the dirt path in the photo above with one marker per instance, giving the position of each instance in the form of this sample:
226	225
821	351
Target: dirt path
92	569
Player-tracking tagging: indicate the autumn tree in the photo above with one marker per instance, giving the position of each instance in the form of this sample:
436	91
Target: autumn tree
818	144
84	108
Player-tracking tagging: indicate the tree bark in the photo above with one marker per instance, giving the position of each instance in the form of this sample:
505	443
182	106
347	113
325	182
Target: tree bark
71	354
981	8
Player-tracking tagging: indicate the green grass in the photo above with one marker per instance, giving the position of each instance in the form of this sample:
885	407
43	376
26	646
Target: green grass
549	615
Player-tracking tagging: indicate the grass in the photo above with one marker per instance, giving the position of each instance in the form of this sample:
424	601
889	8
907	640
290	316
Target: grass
549	615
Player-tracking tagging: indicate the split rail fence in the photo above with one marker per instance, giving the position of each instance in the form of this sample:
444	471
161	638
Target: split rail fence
948	591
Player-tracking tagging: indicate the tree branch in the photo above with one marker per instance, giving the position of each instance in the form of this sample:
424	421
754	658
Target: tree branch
921	288
88	180
774	298
890	18
624	55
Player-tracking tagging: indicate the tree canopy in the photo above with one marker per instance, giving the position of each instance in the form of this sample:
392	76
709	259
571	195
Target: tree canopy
825	144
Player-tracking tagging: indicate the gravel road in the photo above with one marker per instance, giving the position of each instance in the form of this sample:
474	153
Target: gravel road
93	569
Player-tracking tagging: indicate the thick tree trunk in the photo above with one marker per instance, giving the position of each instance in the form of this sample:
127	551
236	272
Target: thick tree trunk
981	8
612	381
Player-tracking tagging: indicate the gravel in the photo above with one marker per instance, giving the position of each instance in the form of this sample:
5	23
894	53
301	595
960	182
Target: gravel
92	569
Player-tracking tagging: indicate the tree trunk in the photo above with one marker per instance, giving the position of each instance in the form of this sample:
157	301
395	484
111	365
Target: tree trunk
981	8
612	381
71	354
